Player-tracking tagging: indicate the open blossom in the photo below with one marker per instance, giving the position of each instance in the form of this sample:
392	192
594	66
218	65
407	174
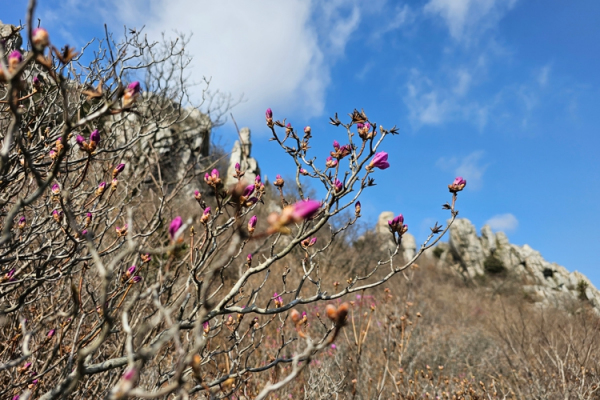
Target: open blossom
458	184
174	227
252	224
40	38
295	213
379	161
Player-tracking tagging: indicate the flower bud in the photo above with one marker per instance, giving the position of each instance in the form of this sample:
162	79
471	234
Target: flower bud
131	93
279	181
113	184
101	188
146	258
458	185
296	317
136	279
88	219
331	162
303	171
252	224
121	231
22	222
57	215
174	227
118	169
40	38
206	327
14	59
55	189
339	186
357	209
197	195
205	215
269	117
307	130
249	259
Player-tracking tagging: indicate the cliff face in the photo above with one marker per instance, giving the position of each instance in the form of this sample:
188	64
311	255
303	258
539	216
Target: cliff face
491	254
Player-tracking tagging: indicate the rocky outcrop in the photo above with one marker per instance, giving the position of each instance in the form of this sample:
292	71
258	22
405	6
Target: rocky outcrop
491	253
241	154
10	36
177	137
409	245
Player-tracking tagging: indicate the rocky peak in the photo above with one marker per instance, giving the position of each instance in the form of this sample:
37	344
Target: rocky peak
241	154
491	253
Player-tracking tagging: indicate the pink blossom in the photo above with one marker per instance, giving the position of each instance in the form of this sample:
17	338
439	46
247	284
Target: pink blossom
175	226
380	161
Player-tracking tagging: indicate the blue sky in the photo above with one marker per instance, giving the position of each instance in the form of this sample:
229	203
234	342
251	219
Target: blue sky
503	92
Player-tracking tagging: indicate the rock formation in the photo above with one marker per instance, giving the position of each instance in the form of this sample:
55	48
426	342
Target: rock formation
409	245
241	154
491	253
11	36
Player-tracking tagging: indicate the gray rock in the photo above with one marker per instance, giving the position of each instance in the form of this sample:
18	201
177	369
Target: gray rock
241	154
11	35
408	245
544	282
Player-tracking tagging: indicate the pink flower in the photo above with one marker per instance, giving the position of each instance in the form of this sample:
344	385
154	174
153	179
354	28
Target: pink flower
174	227
331	162
313	241
305	209
336	145
80	141
397	225
303	171
339	186
269	114
379	161
51	333
458	184
15	58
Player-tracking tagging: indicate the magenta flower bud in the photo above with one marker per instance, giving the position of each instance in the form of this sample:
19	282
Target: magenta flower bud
257	180
278	177
207	211
237	166
89	215
249	258
52	154
129	374
40	38
307	130
305	209
312	241
102	185
269	114
174	227
206	327
357	208
360	126
248	190
136	279
214	173
51	333
22	222
206	177
459	181
119	168
36	81
134	87
397	225
303	171
252	223
331	162
336	145
379	161
458	185
55	189
15	397
80	141
130	270
15	58
289	126
338	186
84	232
197	195
95	136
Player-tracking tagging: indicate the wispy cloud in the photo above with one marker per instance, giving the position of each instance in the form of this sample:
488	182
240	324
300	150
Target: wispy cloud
471	167
543	75
503	222
467	19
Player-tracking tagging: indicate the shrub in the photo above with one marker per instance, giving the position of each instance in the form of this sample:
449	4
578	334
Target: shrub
493	265
117	281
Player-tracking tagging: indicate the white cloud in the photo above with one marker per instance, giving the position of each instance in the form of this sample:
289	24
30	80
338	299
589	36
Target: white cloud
470	167
429	103
543	75
276	54
503	222
467	18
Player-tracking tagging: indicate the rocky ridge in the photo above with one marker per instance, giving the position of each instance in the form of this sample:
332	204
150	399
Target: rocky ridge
491	253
